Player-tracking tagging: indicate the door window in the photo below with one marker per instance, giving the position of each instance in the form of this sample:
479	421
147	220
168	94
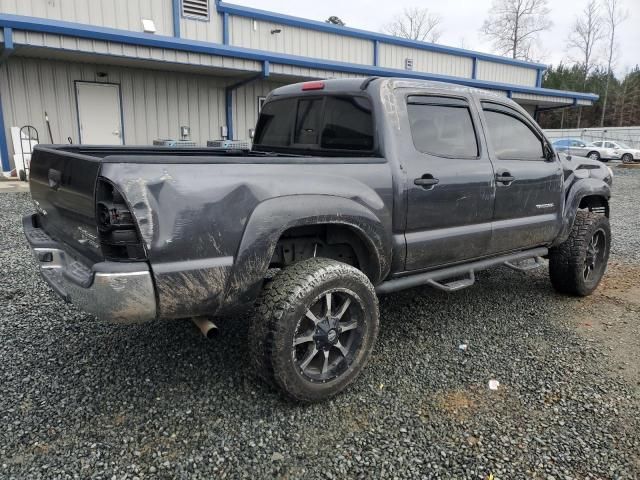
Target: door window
512	138
610	145
442	130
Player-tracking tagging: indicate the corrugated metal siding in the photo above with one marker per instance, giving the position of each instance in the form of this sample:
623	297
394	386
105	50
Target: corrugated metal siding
299	41
542	99
132	51
502	73
305	73
123	14
393	56
203	30
155	104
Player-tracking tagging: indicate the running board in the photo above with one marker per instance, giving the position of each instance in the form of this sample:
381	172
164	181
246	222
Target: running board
525	265
455	285
432	278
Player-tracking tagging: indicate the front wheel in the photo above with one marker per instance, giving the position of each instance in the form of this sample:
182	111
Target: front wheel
577	265
314	328
627	158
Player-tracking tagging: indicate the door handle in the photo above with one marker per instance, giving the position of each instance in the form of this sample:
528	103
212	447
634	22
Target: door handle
505	177
426	181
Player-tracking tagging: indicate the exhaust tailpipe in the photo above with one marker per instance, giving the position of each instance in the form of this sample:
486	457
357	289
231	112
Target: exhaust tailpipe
206	326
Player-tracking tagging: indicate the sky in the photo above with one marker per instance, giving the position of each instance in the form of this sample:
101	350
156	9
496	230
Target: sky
462	20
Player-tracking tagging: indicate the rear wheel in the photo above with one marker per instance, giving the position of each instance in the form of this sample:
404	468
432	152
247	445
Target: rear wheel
594	155
314	328
577	265
627	158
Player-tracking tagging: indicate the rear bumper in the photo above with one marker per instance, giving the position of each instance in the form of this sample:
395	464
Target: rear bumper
113	291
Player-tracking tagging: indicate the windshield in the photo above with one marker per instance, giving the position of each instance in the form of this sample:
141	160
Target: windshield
623	145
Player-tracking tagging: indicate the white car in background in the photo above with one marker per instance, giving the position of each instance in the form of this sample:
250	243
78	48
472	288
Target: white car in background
580	148
621	150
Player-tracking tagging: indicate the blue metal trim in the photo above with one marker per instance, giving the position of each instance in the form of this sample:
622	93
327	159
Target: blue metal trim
228	107
228	93
376	53
93	32
176	18
509	94
474	68
279	18
4	148
539	77
7	49
225	28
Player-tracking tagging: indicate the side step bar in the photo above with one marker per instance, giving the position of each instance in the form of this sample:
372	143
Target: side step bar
432	278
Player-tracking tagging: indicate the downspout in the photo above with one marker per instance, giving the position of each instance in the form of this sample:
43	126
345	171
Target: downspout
7	50
176	18
229	96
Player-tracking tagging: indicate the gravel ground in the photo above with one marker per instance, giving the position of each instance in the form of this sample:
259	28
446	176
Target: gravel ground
84	399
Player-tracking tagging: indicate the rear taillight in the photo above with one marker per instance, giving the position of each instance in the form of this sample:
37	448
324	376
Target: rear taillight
117	230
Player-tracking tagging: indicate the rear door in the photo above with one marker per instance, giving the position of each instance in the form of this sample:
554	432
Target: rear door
529	181
99	113
449	181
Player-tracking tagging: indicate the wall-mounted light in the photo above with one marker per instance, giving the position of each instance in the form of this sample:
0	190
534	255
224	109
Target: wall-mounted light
275	31
101	74
148	26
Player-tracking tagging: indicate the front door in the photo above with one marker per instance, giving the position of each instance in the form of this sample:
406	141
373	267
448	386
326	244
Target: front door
449	180
529	181
99	114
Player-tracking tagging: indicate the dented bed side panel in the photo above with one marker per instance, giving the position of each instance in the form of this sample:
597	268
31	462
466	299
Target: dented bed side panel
194	219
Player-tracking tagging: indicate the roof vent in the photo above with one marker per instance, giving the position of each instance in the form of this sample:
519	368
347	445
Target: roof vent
195	9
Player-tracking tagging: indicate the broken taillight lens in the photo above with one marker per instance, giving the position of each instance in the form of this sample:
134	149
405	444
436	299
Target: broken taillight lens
117	230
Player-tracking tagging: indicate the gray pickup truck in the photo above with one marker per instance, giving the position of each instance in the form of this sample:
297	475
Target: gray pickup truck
353	188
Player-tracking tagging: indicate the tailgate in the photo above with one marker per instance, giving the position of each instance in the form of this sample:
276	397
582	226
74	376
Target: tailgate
63	188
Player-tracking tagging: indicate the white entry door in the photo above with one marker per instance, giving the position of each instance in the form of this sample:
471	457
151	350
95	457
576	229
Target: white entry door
99	113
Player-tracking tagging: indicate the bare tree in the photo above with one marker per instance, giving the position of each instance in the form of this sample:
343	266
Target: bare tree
513	26
614	15
587	32
416	23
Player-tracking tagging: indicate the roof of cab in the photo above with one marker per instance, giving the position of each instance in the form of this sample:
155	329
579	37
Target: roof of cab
354	85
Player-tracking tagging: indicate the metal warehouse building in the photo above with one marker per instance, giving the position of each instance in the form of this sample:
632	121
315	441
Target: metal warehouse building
132	71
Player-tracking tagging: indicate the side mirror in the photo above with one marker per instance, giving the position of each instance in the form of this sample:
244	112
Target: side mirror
549	154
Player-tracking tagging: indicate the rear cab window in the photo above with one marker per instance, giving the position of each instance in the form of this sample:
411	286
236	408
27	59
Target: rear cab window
324	124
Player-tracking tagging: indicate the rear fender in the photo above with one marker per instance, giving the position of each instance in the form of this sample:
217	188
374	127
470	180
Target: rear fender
272	218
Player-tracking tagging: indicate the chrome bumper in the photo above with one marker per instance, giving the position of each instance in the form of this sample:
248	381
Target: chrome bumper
113	291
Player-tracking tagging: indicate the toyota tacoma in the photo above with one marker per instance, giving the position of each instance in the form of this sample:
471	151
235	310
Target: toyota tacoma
353	188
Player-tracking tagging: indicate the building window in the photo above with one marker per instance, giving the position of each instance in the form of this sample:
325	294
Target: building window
195	9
